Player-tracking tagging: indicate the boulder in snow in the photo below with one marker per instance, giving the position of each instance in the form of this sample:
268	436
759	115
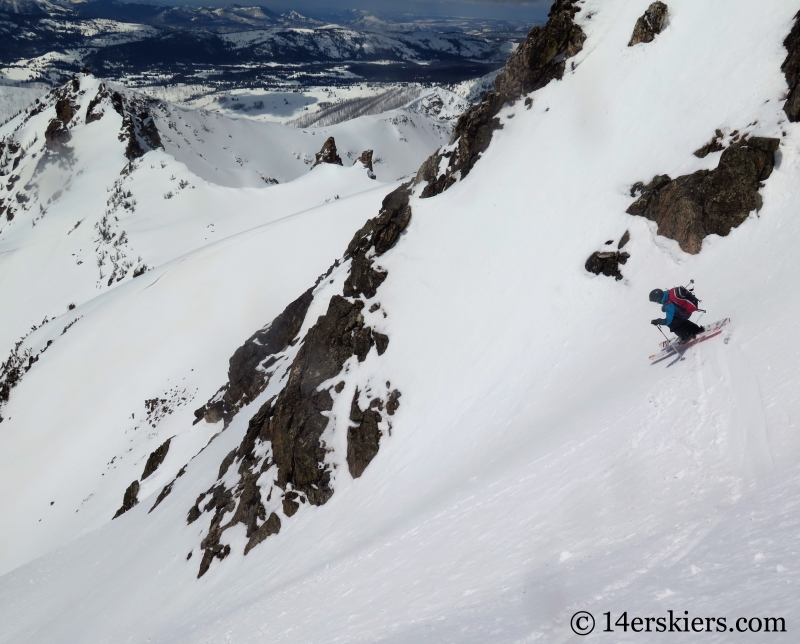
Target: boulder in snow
708	202
606	263
649	24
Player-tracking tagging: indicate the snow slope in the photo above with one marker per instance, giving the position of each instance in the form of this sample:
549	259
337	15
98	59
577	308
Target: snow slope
537	465
243	152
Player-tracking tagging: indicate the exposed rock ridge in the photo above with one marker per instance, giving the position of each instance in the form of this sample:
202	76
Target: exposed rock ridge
249	369
281	462
791	69
708	202
129	500
138	127
156	458
366	160
327	154
540	59
650	24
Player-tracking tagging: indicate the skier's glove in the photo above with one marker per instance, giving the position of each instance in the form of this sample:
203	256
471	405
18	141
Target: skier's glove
654	322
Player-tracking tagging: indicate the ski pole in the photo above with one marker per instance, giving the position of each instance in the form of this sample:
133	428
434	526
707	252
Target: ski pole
669	344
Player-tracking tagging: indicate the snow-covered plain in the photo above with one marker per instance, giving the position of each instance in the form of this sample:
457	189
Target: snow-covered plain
537	466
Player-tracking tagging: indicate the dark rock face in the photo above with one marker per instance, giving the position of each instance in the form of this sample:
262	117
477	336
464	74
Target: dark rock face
606	263
327	154
542	56
363	439
138	127
707	202
92	113
791	69
129	500
294	420
245	380
155	459
537	61
366	160
64	110
649	24
714	145
56	136
380	234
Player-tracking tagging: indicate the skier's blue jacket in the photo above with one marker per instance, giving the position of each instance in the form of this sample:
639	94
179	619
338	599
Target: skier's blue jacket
672	311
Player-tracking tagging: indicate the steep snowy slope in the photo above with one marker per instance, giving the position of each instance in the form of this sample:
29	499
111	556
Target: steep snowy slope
536	463
242	152
81	210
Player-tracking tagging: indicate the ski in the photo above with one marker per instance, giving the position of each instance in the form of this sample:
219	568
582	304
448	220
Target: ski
674	347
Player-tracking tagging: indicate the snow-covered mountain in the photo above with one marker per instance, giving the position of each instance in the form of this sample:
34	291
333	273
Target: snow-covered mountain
233	45
418	408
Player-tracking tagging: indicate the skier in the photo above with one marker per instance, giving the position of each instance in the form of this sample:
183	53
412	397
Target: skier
678	308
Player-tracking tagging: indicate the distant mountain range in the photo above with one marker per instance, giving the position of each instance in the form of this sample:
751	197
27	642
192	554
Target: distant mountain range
44	41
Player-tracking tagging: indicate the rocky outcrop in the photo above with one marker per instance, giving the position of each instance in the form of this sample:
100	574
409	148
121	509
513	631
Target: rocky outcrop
364	435
56	136
791	69
378	234
64	110
138	126
707	202
366	160
650	24
607	263
281	462
714	145
541	58
249	367
94	111
129	500
156	458
327	154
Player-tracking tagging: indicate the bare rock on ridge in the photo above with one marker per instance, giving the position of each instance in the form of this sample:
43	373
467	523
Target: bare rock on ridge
540	59
650	24
791	69
138	126
293	421
156	458
249	367
366	161
129	500
56	136
64	110
708	202
327	154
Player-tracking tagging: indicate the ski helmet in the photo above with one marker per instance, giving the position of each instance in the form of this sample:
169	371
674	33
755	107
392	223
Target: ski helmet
656	295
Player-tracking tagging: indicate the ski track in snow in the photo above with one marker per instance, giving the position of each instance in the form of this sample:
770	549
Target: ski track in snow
538	464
